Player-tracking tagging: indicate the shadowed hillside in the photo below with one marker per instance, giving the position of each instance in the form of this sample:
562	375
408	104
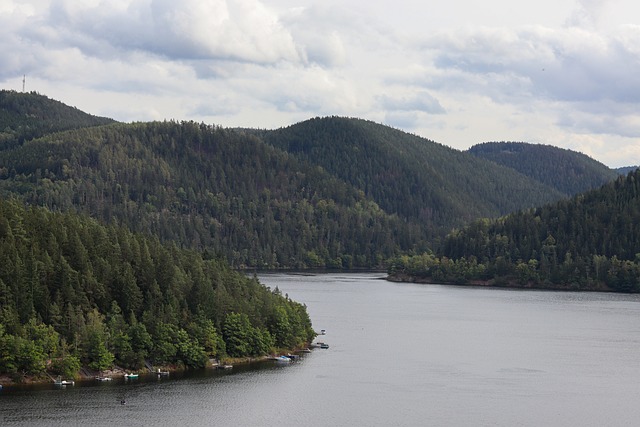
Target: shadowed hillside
567	171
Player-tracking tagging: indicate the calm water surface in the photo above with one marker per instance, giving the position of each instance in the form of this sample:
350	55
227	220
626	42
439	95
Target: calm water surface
400	355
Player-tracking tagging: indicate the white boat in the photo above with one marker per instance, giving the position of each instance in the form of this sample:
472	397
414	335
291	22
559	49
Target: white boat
102	379
131	376
60	382
282	359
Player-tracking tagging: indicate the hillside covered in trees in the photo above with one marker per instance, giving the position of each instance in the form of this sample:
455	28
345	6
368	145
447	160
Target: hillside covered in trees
74	292
325	193
206	187
567	171
410	176
589	242
24	116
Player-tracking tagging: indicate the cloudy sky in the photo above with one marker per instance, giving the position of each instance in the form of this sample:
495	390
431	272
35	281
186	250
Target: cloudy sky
460	72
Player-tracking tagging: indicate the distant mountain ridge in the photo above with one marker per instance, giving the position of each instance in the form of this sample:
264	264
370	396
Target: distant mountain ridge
24	116
625	170
407	175
565	170
327	192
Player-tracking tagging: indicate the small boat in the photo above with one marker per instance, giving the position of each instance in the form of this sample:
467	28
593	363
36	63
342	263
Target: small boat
282	359
323	332
131	376
162	373
324	345
60	382
292	356
102	379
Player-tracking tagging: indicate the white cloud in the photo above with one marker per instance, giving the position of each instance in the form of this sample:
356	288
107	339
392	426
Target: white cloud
416	101
240	30
562	72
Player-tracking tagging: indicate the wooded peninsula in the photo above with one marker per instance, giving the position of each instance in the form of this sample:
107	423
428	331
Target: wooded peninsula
127	244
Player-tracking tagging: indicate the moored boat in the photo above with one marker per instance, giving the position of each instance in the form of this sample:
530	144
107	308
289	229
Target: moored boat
60	382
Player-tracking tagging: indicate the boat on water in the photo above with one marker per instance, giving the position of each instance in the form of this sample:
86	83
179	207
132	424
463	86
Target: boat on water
60	382
162	373
103	379
281	359
131	376
324	345
323	332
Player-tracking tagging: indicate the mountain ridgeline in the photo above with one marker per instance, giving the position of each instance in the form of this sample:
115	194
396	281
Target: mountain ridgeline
206	187
567	171
328	192
24	116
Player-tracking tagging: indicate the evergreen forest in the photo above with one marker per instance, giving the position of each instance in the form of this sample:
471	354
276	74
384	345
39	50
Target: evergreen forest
567	171
121	243
77	293
588	242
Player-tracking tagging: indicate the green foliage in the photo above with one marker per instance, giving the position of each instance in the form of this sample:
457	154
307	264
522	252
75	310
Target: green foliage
431	186
176	300
66	366
24	116
567	171
325	193
588	242
204	187
237	332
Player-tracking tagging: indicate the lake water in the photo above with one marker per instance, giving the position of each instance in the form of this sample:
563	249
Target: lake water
400	355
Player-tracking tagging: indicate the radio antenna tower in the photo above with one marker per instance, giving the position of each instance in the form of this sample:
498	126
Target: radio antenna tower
24	77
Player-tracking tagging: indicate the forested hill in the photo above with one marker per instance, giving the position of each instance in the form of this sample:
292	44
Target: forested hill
590	242
210	188
24	116
567	171
75	292
410	176
328	192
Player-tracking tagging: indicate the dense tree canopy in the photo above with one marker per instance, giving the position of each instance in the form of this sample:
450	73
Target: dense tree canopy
205	187
24	116
325	193
567	171
591	241
72	290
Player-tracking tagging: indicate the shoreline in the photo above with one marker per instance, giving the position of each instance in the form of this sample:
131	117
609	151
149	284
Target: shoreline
491	283
85	375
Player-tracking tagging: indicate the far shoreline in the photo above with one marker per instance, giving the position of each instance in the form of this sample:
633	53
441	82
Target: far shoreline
506	284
